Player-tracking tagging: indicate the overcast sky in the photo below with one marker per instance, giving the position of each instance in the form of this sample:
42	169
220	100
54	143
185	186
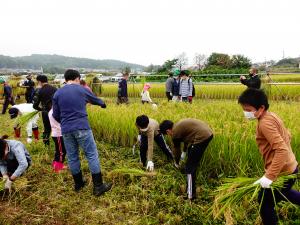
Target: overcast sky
150	31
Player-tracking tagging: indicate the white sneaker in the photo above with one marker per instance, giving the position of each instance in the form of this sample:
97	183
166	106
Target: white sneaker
29	140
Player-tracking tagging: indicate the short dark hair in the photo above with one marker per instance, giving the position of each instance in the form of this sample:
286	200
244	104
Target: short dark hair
71	74
42	78
165	125
13	112
171	74
2	146
255	98
142	121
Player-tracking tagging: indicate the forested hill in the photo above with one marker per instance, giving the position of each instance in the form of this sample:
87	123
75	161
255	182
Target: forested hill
36	61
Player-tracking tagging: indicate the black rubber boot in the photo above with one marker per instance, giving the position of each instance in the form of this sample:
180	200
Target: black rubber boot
79	182
100	187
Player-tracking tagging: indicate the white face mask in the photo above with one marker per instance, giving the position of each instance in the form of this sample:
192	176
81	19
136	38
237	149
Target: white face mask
250	115
144	130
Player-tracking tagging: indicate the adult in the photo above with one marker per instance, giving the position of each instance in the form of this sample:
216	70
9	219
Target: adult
169	86
42	101
176	89
274	143
148	133
8	97
122	90
254	80
69	109
14	160
196	135
29	85
186	87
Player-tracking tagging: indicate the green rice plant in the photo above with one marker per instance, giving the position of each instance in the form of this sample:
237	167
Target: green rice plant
234	191
24	119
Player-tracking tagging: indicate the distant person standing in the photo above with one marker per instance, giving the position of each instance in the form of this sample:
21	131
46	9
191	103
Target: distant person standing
43	102
146	94
169	86
176	89
83	84
186	87
254	80
122	90
69	109
29	85
8	97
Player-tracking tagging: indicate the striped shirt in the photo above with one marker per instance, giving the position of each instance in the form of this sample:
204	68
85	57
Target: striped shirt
186	88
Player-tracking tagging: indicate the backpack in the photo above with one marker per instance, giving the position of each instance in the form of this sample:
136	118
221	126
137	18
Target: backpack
194	90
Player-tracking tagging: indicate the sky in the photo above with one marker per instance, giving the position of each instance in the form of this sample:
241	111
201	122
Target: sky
150	31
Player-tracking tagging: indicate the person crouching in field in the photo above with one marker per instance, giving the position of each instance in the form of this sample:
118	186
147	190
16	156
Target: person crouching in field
274	143
60	151
14	160
149	132
196	135
31	127
146	94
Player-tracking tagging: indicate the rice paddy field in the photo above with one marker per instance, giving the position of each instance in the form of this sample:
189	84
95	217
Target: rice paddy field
138	197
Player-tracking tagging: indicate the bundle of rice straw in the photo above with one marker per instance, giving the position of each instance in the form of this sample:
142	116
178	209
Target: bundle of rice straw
230	195
23	119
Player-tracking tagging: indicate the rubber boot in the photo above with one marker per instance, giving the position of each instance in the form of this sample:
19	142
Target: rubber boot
17	132
79	182
36	133
100	187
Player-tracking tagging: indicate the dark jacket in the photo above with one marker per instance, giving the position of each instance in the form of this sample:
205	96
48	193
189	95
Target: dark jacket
122	90
176	87
44	97
69	107
7	93
252	82
29	86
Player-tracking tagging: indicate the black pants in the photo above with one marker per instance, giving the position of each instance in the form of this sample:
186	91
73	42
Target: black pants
194	156
266	198
169	97
6	103
160	141
60	151
29	96
47	128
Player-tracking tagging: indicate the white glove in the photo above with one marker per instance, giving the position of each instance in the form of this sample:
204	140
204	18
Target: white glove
29	140
171	94
8	184
264	182
139	138
150	166
183	154
5	177
176	165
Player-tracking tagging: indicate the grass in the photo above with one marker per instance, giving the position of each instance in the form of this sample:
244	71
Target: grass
137	197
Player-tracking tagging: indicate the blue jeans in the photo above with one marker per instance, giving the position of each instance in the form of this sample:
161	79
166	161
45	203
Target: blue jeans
85	140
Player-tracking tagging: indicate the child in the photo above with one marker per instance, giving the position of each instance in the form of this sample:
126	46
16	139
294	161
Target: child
14	160
145	94
60	151
32	126
196	135
274	143
149	132
186	87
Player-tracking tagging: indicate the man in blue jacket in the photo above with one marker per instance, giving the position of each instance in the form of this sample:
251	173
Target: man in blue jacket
122	90
69	108
8	97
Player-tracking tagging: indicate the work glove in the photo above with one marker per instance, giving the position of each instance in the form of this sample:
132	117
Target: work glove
103	106
5	178
176	165
183	154
264	182
150	166
171	94
8	184
29	140
139	138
